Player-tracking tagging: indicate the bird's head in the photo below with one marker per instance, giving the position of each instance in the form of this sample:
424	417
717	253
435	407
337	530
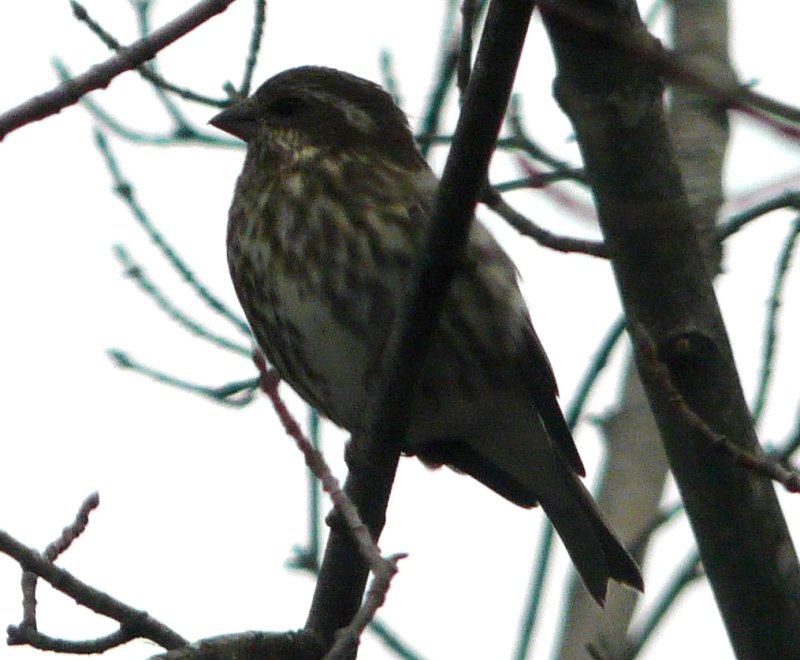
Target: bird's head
310	109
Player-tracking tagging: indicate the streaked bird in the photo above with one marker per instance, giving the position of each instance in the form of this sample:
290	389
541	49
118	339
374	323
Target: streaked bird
329	212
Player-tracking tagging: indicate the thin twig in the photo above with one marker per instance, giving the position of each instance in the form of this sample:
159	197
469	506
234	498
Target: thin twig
18	636
443	78
516	126
662	518
182	124
307	557
689	570
256	35
388	76
136	272
598	362
100	75
771	112
527	227
383	569
126	191
68	535
72	531
180	134
347	638
392	641
761	464
539	181
236	394
652	13
533	601
771	326
565	199
146	71
789	199
792	444
133	623
269	382
304	560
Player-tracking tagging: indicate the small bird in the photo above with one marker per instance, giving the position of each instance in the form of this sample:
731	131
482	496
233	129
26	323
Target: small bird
330	209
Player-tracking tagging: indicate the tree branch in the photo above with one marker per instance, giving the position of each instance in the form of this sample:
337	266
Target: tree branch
373	461
133	623
525	226
145	71
665	286
100	75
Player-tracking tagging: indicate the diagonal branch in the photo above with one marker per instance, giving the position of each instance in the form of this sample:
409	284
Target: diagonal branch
146	71
100	75
638	43
666	287
373	465
754	460
133	623
494	200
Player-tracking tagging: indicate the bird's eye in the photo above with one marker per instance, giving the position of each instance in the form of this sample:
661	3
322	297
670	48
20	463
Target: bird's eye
287	106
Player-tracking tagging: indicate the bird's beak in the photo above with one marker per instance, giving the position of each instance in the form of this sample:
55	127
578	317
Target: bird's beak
239	120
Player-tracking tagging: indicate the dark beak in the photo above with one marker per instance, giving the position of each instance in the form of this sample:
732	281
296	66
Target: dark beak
239	120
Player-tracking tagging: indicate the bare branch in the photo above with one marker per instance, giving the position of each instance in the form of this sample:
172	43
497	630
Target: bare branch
144	70
787	200
347	637
124	188
516	125
100	75
527	227
760	464
771	112
383	569
448	60
317	464
136	272
690	570
133	623
236	394
389	77
370	481
771	326
665	284
69	534
255	45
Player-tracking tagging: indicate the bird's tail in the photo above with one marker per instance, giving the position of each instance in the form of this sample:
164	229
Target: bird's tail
596	552
506	446
527	470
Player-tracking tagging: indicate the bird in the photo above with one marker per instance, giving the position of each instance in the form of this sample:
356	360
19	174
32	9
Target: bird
329	212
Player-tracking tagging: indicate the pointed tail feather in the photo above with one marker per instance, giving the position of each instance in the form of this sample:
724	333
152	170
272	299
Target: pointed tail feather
506	446
597	554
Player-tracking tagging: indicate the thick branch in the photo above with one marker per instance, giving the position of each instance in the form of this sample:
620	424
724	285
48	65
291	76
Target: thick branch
373	461
615	103
699	129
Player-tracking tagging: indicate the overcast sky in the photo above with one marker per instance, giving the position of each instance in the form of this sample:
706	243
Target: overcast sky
201	504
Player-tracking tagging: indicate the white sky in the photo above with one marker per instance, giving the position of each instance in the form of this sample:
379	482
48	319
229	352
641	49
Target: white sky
200	504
